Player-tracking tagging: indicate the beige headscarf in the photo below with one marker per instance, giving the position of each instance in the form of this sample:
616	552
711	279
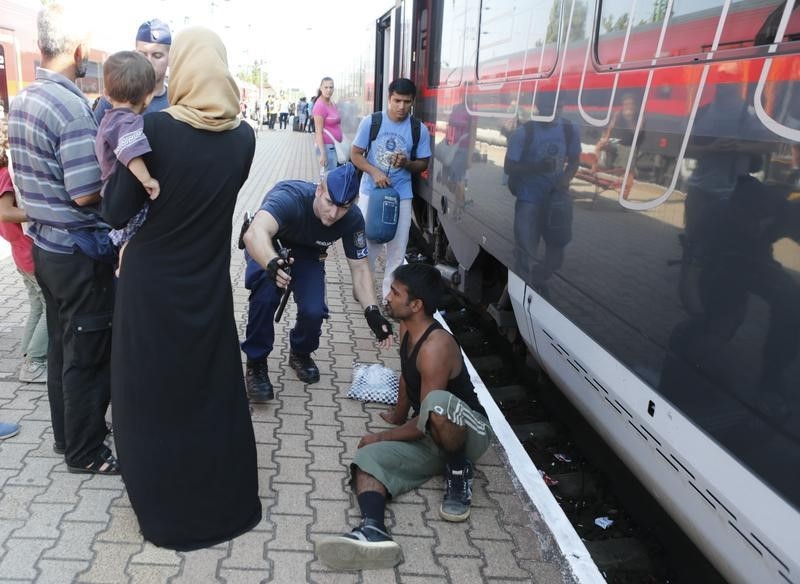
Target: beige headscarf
201	89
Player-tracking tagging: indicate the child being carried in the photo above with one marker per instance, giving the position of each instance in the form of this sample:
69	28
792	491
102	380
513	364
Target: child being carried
129	83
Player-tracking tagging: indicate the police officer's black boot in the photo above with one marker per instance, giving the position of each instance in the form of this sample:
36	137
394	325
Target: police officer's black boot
256	380
307	371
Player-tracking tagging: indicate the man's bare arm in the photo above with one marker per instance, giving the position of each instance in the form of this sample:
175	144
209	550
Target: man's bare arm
258	238
87	200
360	161
436	360
363	289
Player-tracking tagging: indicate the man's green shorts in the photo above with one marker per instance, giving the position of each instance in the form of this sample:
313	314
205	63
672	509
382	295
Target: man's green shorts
402	466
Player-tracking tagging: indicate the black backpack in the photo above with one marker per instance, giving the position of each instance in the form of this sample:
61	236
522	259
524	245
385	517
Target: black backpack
529	128
375	127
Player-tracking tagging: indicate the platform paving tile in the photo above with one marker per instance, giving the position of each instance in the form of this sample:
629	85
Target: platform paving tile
327	577
76	541
22	555
239	576
151	574
453	539
59	571
61	527
44	520
330	517
292	499
290	566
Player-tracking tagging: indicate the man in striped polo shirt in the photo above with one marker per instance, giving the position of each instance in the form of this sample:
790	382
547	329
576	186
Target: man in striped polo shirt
52	133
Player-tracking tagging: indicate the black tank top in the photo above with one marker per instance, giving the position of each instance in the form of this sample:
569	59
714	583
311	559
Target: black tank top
460	385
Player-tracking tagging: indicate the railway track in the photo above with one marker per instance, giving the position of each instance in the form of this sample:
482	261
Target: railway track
629	536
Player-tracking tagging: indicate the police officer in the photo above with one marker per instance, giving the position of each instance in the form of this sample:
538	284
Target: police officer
307	219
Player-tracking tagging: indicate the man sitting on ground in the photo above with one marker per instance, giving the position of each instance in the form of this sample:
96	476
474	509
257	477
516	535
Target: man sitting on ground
448	430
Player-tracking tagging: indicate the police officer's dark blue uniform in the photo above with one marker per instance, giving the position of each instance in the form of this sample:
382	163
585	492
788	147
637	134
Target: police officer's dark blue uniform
305	221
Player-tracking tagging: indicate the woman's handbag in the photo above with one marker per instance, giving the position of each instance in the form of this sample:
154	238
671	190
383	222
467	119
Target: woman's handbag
383	212
342	148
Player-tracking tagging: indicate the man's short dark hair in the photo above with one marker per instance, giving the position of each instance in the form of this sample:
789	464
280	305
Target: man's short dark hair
403	86
128	77
423	282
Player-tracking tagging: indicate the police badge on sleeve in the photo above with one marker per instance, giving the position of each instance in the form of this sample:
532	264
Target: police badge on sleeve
360	241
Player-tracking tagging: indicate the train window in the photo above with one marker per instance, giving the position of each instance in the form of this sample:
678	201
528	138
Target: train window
636	33
777	103
515	41
90	83
447	38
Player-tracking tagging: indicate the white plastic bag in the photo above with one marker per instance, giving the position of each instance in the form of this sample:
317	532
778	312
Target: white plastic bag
374	383
342	148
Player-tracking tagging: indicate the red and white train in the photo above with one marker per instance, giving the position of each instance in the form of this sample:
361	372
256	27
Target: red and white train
673	324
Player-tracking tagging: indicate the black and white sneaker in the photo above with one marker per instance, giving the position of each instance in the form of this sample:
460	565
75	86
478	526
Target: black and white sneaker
458	494
367	547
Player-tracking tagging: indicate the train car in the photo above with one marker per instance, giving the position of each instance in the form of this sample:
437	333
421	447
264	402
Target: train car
671	319
19	54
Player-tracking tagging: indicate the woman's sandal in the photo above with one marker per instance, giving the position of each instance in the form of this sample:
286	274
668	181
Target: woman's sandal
103	464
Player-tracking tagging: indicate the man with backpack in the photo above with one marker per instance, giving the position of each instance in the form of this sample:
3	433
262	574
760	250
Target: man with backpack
389	147
541	160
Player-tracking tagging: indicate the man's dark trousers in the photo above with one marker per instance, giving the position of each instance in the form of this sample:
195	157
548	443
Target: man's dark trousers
78	293
308	292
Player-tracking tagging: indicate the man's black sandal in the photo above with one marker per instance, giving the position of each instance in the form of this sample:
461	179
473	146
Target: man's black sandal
103	464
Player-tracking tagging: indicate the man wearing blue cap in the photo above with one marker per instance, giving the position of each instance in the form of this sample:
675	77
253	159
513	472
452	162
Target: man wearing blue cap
307	219
153	40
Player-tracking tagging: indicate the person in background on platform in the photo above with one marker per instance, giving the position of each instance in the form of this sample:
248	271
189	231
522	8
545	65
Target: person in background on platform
447	432
327	125
283	112
181	421
310	127
614	147
34	339
302	113
389	159
129	81
273	114
153	40
52	132
307	219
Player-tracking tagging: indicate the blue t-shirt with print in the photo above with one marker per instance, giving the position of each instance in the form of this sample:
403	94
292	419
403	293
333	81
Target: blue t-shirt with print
392	138
291	203
552	146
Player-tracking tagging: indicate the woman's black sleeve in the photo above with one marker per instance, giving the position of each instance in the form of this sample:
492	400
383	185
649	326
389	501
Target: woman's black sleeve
123	197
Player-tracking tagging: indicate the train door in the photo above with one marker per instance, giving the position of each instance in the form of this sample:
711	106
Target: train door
3	83
419	45
10	77
387	54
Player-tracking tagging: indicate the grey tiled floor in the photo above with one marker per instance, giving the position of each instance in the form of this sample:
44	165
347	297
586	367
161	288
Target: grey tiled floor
59	527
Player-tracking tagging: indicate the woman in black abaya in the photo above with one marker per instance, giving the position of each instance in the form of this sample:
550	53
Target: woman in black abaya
181	421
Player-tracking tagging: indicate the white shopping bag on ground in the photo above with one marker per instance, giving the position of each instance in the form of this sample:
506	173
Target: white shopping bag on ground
374	383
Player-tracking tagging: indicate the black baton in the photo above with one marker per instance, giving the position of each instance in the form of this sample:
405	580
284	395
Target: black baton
283	253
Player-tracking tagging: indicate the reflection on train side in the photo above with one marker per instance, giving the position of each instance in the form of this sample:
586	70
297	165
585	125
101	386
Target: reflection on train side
697	291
